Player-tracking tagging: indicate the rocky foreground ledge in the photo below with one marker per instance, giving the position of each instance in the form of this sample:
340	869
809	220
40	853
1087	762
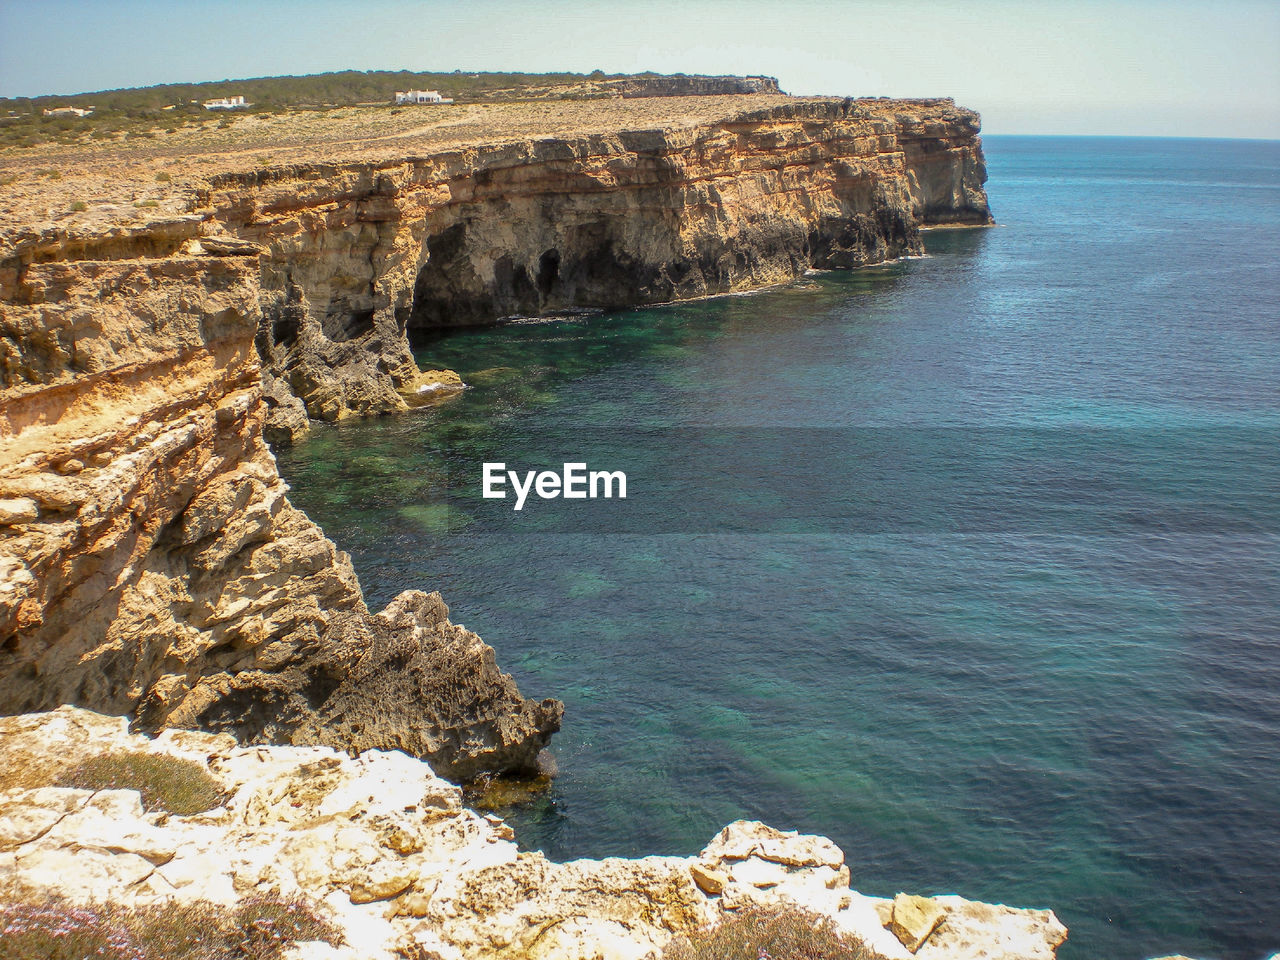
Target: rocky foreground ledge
388	853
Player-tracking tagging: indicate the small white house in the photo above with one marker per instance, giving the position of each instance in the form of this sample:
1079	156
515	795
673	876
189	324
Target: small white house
226	103
421	96
68	112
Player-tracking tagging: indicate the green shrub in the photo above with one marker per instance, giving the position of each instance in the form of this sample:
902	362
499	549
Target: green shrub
146	203
167	783
756	934
255	929
163	177
79	207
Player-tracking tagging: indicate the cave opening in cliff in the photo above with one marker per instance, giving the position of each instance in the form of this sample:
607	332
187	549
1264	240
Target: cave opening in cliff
342	323
470	277
440	297
465	283
548	272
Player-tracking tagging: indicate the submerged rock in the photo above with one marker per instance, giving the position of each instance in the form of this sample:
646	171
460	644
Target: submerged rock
499	793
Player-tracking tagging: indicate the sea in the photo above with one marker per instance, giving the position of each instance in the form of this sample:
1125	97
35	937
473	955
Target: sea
970	562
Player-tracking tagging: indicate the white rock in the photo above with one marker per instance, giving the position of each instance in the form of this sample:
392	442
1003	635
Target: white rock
390	856
18	510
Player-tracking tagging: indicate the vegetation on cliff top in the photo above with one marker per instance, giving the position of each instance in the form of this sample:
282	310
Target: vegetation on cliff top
172	784
259	928
147	112
757	934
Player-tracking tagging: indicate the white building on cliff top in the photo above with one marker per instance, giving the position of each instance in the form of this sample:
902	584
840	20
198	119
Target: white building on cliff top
421	96
226	103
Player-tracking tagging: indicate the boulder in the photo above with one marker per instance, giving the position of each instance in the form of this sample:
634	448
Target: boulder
914	919
18	510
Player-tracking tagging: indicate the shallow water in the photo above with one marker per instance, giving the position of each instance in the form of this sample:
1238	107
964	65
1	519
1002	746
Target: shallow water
970	562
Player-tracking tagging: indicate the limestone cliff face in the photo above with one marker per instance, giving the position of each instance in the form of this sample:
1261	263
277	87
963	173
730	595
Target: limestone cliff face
356	254
150	561
674	214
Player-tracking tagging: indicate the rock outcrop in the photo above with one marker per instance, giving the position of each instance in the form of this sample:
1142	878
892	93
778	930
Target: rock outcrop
150	561
352	254
389	853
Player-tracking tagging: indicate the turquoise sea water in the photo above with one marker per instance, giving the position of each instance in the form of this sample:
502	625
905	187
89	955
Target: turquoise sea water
970	562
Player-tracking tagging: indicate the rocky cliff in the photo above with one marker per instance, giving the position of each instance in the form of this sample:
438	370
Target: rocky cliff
356	254
388	852
150	561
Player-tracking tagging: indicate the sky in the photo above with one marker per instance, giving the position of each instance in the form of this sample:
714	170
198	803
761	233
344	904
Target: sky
1124	67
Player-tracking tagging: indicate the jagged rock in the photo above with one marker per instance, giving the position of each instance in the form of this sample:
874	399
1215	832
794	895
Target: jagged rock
431	386
913	919
432	689
975	930
709	881
287	421
387	851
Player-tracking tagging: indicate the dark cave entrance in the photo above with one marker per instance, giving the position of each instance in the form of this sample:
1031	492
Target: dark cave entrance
548	272
341	323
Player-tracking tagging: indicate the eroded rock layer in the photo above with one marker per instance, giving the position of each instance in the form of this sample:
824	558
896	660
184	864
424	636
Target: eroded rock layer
358	253
150	561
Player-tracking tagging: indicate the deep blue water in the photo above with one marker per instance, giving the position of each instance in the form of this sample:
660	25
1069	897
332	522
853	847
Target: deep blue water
970	562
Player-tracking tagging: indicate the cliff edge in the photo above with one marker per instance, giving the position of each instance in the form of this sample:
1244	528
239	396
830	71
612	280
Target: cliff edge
387	852
391	222
151	564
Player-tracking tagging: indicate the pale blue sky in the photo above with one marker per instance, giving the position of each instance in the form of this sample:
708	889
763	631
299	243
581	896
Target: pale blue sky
1140	67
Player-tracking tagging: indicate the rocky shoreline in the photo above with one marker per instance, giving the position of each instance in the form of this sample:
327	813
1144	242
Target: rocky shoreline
393	859
152	567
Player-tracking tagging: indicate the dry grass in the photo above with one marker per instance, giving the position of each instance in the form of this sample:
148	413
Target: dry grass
123	170
755	934
171	784
33	928
20	770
